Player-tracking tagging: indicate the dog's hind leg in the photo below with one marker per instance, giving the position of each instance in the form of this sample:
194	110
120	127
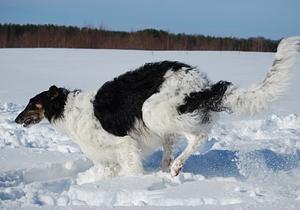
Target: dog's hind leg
167	153
193	143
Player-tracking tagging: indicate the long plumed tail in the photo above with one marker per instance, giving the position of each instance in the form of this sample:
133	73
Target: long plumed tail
257	98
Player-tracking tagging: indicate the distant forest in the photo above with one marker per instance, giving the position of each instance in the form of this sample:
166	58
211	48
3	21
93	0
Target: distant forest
53	36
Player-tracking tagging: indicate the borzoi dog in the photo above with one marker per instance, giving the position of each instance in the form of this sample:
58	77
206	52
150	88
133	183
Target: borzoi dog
152	106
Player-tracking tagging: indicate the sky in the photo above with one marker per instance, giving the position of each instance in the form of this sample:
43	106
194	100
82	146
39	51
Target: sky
272	19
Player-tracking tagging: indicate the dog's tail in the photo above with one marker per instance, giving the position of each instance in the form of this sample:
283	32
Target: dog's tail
257	98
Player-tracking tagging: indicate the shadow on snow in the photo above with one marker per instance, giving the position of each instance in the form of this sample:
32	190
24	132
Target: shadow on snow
225	163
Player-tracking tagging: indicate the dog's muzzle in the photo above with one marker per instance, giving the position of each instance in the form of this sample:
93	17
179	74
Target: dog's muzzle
27	120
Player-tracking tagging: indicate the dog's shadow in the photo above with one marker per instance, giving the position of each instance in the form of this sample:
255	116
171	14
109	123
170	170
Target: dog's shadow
225	163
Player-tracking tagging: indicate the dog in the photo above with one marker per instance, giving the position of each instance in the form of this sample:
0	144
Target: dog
150	107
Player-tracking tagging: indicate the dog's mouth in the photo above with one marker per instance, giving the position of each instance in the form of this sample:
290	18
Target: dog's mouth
30	121
27	121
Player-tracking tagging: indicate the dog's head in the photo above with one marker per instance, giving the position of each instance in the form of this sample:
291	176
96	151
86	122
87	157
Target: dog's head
38	106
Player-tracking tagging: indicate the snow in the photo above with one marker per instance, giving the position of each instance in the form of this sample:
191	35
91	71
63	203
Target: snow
247	162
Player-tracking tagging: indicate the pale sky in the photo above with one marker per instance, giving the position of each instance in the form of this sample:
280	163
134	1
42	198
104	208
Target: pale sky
239	18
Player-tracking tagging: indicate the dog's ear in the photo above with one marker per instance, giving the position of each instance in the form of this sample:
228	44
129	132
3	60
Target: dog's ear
53	92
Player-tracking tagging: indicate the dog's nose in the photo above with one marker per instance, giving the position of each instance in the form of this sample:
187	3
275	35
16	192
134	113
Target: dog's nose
19	119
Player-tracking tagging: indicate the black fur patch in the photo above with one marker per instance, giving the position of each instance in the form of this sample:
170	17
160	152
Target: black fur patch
205	101
118	103
53	102
55	108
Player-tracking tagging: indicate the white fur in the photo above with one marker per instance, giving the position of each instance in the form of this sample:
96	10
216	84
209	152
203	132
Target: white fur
160	115
104	149
257	98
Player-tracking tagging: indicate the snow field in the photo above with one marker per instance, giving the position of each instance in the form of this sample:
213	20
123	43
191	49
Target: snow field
247	162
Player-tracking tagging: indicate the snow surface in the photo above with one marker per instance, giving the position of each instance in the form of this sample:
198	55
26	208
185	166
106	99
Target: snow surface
247	162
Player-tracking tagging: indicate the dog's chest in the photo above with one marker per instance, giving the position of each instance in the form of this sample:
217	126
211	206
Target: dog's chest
81	125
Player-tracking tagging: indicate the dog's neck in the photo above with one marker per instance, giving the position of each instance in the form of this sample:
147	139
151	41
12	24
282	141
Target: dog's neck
76	110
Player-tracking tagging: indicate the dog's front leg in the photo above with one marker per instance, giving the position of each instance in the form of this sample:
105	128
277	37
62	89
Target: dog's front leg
129	157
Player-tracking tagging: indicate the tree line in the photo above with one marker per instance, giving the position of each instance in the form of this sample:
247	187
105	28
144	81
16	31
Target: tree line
53	36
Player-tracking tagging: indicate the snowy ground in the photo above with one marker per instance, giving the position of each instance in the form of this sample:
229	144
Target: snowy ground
247	162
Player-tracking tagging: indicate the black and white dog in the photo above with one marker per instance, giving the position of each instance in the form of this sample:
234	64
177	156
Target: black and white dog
149	107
